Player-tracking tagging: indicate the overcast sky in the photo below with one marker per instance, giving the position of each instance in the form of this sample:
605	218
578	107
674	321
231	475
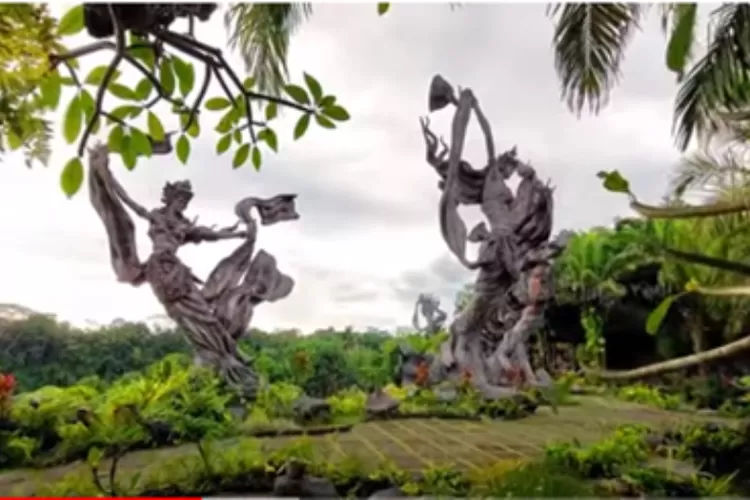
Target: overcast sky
368	240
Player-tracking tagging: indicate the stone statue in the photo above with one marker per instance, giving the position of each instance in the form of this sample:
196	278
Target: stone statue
429	307
214	313
488	338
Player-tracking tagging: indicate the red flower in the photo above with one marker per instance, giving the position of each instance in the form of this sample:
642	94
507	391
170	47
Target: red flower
7	383
422	375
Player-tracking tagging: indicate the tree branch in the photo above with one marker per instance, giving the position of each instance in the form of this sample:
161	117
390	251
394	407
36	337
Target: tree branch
99	103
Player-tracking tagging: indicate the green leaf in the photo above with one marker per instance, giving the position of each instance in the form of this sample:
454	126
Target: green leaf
14	142
87	103
143	89
71	22
271	111
166	76
72	177
249	83
257	158
324	122
96	75
73	120
134	481
238	136
681	40
336	112
94	457
383	7
240	157
121	91
128	153
226	122
316	91
217	103
239	104
614	181
115	139
183	149
223	144
195	128
50	89
301	127
185	75
297	93
143	54
155	128
140	143
89	107
269	136
656	318
327	101
126	111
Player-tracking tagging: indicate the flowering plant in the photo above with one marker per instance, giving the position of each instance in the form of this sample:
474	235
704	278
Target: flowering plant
7	386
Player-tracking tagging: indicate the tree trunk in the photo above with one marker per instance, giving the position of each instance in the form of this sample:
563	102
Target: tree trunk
726	351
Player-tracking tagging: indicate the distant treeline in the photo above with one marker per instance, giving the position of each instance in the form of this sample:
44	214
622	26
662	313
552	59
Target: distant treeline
40	351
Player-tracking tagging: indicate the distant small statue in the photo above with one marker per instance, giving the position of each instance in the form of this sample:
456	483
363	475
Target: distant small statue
514	281
429	307
213	314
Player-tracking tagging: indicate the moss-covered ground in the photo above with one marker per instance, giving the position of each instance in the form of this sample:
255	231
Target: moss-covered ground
416	444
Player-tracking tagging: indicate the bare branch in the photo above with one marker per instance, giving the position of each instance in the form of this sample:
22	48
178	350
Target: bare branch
201	95
110	73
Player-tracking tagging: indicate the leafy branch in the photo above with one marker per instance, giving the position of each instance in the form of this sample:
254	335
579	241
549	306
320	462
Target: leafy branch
615	182
163	73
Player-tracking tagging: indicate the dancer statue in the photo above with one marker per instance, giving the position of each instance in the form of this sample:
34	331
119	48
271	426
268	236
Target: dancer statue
213	314
488	338
429	307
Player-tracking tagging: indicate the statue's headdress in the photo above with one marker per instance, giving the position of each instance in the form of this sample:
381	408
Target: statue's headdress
173	190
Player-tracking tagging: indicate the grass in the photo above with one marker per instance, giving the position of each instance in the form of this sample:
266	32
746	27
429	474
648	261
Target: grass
415	445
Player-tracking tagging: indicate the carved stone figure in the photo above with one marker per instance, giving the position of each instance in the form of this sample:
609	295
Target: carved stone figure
214	313
488	338
429	307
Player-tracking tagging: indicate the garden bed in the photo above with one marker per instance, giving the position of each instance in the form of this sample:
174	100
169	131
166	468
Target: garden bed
412	445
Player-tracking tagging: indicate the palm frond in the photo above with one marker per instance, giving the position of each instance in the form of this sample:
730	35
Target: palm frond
261	33
719	81
666	16
589	43
712	170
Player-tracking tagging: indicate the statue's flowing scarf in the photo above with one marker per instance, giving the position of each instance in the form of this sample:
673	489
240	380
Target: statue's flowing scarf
123	252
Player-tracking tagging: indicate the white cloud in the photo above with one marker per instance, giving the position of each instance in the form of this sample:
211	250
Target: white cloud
368	240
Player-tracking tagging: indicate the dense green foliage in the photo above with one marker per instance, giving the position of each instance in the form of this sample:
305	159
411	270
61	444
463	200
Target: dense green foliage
40	352
172	401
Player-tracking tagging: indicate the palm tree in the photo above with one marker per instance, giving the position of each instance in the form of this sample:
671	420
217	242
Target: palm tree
261	33
590	42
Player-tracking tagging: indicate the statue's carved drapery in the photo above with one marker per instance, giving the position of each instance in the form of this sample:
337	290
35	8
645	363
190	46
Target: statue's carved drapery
488	339
213	314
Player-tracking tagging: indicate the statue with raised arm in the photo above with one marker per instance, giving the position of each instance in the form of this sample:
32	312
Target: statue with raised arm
489	337
214	313
429	307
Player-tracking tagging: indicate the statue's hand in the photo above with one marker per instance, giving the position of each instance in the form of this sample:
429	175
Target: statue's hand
232	228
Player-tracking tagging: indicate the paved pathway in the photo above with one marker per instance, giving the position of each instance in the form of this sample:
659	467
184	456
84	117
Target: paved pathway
416	444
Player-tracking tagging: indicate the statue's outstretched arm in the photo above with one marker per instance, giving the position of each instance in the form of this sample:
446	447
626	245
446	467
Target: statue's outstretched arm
139	210
199	234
